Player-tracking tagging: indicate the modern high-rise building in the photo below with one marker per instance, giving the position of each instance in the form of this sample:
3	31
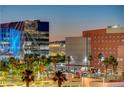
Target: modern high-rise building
23	38
106	41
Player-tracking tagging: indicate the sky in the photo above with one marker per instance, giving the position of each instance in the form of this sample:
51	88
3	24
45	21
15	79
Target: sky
65	20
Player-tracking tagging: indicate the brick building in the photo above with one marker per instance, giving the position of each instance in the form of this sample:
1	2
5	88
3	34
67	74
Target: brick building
121	59
105	41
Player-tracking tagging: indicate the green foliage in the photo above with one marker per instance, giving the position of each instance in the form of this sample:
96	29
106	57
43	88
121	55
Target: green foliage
4	66
90	58
111	61
106	61
12	60
43	60
100	55
27	75
60	77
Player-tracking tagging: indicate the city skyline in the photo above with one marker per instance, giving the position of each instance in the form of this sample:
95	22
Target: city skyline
66	21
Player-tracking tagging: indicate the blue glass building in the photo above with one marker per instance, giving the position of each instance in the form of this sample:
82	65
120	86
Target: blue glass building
9	42
18	39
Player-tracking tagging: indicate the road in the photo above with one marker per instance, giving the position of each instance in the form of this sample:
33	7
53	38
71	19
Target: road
74	82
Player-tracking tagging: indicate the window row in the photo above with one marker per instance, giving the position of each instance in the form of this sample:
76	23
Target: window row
111	52
105	48
117	36
98	41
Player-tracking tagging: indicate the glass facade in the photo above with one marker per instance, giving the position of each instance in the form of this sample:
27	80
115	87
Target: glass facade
22	38
9	42
36	38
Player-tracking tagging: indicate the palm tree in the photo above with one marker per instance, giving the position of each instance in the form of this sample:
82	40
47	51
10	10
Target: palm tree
29	62
27	76
43	59
90	58
106	63
55	60
12	61
60	77
43	62
13	66
62	59
3	66
114	63
100	55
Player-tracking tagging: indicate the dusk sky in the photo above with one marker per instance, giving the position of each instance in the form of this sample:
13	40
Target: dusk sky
66	21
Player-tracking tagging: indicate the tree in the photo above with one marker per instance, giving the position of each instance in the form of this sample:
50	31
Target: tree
114	63
27	76
12	61
43	60
100	55
55	60
106	63
4	66
60	77
29	61
90	58
62	59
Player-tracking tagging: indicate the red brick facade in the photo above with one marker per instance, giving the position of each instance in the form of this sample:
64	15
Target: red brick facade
103	42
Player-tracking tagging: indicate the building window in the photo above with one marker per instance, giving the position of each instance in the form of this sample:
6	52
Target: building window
109	36
110	52
113	40
118	40
113	36
98	40
113	52
122	36
106	36
117	36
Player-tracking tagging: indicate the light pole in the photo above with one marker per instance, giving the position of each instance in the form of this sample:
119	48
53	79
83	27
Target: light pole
68	61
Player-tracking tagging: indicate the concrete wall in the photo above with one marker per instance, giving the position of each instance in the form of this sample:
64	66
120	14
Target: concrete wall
75	47
90	82
115	30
